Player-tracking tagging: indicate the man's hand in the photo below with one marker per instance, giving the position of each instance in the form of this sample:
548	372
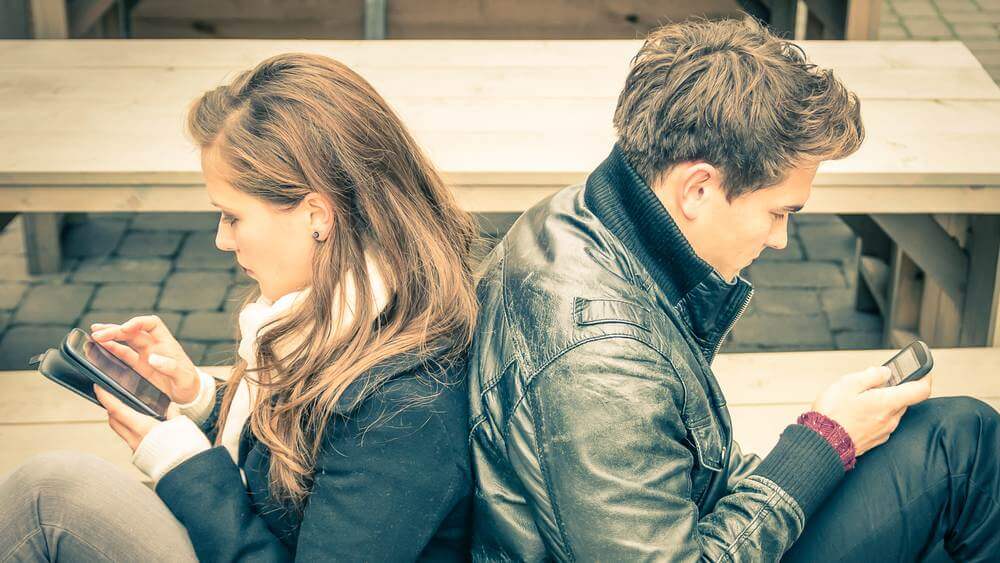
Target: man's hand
127	422
868	412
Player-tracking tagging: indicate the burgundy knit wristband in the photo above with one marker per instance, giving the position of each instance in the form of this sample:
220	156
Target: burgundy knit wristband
832	433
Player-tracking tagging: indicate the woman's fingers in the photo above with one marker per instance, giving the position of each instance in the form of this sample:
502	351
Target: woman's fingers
128	423
123	353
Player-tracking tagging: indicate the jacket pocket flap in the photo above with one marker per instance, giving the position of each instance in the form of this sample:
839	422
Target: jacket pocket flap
707	445
597	311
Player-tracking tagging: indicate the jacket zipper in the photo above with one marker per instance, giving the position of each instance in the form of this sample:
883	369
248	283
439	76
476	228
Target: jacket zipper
743	309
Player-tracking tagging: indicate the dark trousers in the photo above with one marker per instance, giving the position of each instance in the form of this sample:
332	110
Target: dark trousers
931	491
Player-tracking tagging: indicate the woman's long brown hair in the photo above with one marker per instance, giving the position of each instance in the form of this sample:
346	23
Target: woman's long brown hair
302	123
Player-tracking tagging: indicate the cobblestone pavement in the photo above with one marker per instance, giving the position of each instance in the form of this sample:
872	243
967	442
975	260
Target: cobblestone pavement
121	265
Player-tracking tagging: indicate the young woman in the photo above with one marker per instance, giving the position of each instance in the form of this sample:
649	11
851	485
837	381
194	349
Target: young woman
341	433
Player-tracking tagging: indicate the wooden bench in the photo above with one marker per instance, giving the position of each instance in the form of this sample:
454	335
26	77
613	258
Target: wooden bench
96	126
765	393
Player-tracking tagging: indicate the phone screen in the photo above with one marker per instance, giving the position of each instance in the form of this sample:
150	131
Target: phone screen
123	375
903	365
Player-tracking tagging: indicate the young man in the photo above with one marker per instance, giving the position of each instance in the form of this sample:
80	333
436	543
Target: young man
599	432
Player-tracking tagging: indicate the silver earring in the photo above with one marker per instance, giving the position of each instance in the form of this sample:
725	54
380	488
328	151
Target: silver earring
316	235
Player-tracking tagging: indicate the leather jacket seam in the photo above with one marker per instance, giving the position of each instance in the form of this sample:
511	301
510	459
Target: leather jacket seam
766	509
493	381
538	423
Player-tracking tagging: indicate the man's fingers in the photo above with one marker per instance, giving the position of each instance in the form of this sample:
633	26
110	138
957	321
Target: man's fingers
907	394
871	378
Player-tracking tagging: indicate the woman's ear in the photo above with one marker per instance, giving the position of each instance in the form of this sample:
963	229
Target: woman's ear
320	215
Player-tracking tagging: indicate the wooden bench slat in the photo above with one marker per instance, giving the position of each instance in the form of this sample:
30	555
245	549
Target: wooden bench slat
194	53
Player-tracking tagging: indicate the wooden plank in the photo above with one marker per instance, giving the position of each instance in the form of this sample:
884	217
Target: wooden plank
479	198
863	18
757	427
48	19
931	248
538	142
796	377
582	55
22	441
41	242
902	298
875	274
980	312
84	14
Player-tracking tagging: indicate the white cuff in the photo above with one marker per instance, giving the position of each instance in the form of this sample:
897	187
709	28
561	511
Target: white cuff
201	406
167	445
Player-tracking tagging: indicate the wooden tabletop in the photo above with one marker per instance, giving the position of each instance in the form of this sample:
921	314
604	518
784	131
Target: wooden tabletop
507	122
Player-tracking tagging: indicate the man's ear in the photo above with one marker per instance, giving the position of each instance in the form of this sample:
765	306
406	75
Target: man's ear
320	215
698	183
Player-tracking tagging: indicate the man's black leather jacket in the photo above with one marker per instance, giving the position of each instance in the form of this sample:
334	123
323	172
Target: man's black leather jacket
599	432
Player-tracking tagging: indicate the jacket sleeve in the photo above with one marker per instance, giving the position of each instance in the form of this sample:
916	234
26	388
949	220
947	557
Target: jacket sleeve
379	494
612	480
740	465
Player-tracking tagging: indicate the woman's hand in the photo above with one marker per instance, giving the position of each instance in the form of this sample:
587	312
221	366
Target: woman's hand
127	422
151	350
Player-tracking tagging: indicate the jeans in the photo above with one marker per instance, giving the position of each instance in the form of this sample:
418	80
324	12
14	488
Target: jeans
932	489
73	507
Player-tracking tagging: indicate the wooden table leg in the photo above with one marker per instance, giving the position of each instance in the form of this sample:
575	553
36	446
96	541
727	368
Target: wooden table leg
41	242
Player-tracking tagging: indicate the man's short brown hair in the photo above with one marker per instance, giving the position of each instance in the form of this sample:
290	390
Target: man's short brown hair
734	95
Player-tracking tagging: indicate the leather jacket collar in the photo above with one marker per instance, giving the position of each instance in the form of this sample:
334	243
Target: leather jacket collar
625	204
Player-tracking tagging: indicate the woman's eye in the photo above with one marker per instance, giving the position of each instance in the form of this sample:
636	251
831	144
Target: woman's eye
779	216
229	219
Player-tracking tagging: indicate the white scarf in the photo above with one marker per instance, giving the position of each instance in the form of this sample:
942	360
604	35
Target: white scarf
252	319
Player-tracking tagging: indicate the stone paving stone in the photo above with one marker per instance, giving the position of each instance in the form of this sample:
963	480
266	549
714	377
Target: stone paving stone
111	270
847	319
12	238
791	252
785	302
914	8
15	268
199	253
126	296
235	296
220	354
97	237
956	6
54	304
892	31
194	350
170	319
152	243
973	17
20	342
975	30
797	274
927	28
833	300
783	331
209	325
11	294
194	291
834	243
858	340
200	221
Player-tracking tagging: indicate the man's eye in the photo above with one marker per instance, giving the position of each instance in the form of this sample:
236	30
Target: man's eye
779	216
229	219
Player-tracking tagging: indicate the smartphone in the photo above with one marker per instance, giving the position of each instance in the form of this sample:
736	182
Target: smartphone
910	364
81	362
